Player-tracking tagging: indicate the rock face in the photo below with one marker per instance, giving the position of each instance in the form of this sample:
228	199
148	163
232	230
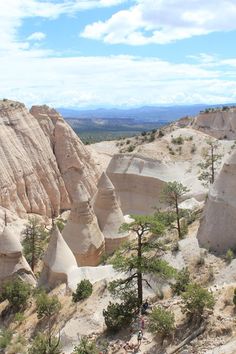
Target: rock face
109	214
58	261
220	124
12	262
74	160
139	181
40	157
218	224
82	232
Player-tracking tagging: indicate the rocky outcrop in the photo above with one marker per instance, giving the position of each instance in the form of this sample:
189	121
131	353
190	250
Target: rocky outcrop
218	224
74	160
12	262
82	232
139	180
58	261
220	123
40	158
109	214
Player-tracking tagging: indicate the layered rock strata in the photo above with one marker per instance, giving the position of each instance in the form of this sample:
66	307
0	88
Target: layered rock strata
220	124
218	224
58	261
41	159
109	214
82	232
12	262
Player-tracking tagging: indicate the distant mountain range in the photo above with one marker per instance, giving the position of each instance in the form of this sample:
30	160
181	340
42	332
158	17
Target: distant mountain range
161	114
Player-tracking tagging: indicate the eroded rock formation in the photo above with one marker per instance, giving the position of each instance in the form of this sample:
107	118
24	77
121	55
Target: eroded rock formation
82	232
41	160
109	214
220	124
218	224
58	261
12	262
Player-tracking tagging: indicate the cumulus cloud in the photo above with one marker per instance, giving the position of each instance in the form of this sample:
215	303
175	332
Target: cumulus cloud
37	36
164	21
115	80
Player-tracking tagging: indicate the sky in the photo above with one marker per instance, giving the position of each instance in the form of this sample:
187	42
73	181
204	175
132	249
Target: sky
118	53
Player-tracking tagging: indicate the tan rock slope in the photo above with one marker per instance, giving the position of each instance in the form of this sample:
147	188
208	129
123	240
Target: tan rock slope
58	261
75	161
109	214
218	224
12	262
40	157
82	232
220	124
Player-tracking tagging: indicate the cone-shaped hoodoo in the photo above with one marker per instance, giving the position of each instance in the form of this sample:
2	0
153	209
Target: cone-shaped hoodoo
82	232
58	261
12	262
109	214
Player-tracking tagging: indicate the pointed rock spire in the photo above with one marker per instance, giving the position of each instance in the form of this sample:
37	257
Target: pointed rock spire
9	242
109	214
12	262
58	261
82	232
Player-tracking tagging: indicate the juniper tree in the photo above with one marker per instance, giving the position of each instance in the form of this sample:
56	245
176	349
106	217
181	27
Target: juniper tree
210	163
172	194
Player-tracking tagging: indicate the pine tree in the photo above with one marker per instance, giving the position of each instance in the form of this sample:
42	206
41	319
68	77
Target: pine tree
172	194
211	161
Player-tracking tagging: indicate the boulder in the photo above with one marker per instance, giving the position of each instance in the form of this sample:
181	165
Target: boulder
82	232
109	214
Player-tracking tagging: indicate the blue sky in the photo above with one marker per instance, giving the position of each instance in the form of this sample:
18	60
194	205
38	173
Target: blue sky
123	53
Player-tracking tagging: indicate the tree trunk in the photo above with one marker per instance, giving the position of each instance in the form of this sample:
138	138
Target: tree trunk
177	217
139	271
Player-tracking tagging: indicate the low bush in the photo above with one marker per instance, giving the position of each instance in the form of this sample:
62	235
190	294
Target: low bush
229	256
196	299
16	292
47	306
86	347
161	321
182	281
5	338
83	291
42	344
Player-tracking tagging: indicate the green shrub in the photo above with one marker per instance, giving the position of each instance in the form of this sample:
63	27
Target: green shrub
83	291
19	317
234	298
131	148
182	281
229	256
43	344
177	141
161	321
197	299
160	134
47	306
86	347
16	292
117	316
5	338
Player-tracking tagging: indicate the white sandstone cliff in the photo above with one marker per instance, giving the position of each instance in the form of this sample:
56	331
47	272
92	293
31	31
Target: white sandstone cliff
218	224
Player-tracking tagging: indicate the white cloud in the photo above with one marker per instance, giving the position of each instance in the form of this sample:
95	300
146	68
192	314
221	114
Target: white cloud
116	80
37	36
164	21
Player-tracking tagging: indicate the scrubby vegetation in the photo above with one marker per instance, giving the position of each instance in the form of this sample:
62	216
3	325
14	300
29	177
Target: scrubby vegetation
83	291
